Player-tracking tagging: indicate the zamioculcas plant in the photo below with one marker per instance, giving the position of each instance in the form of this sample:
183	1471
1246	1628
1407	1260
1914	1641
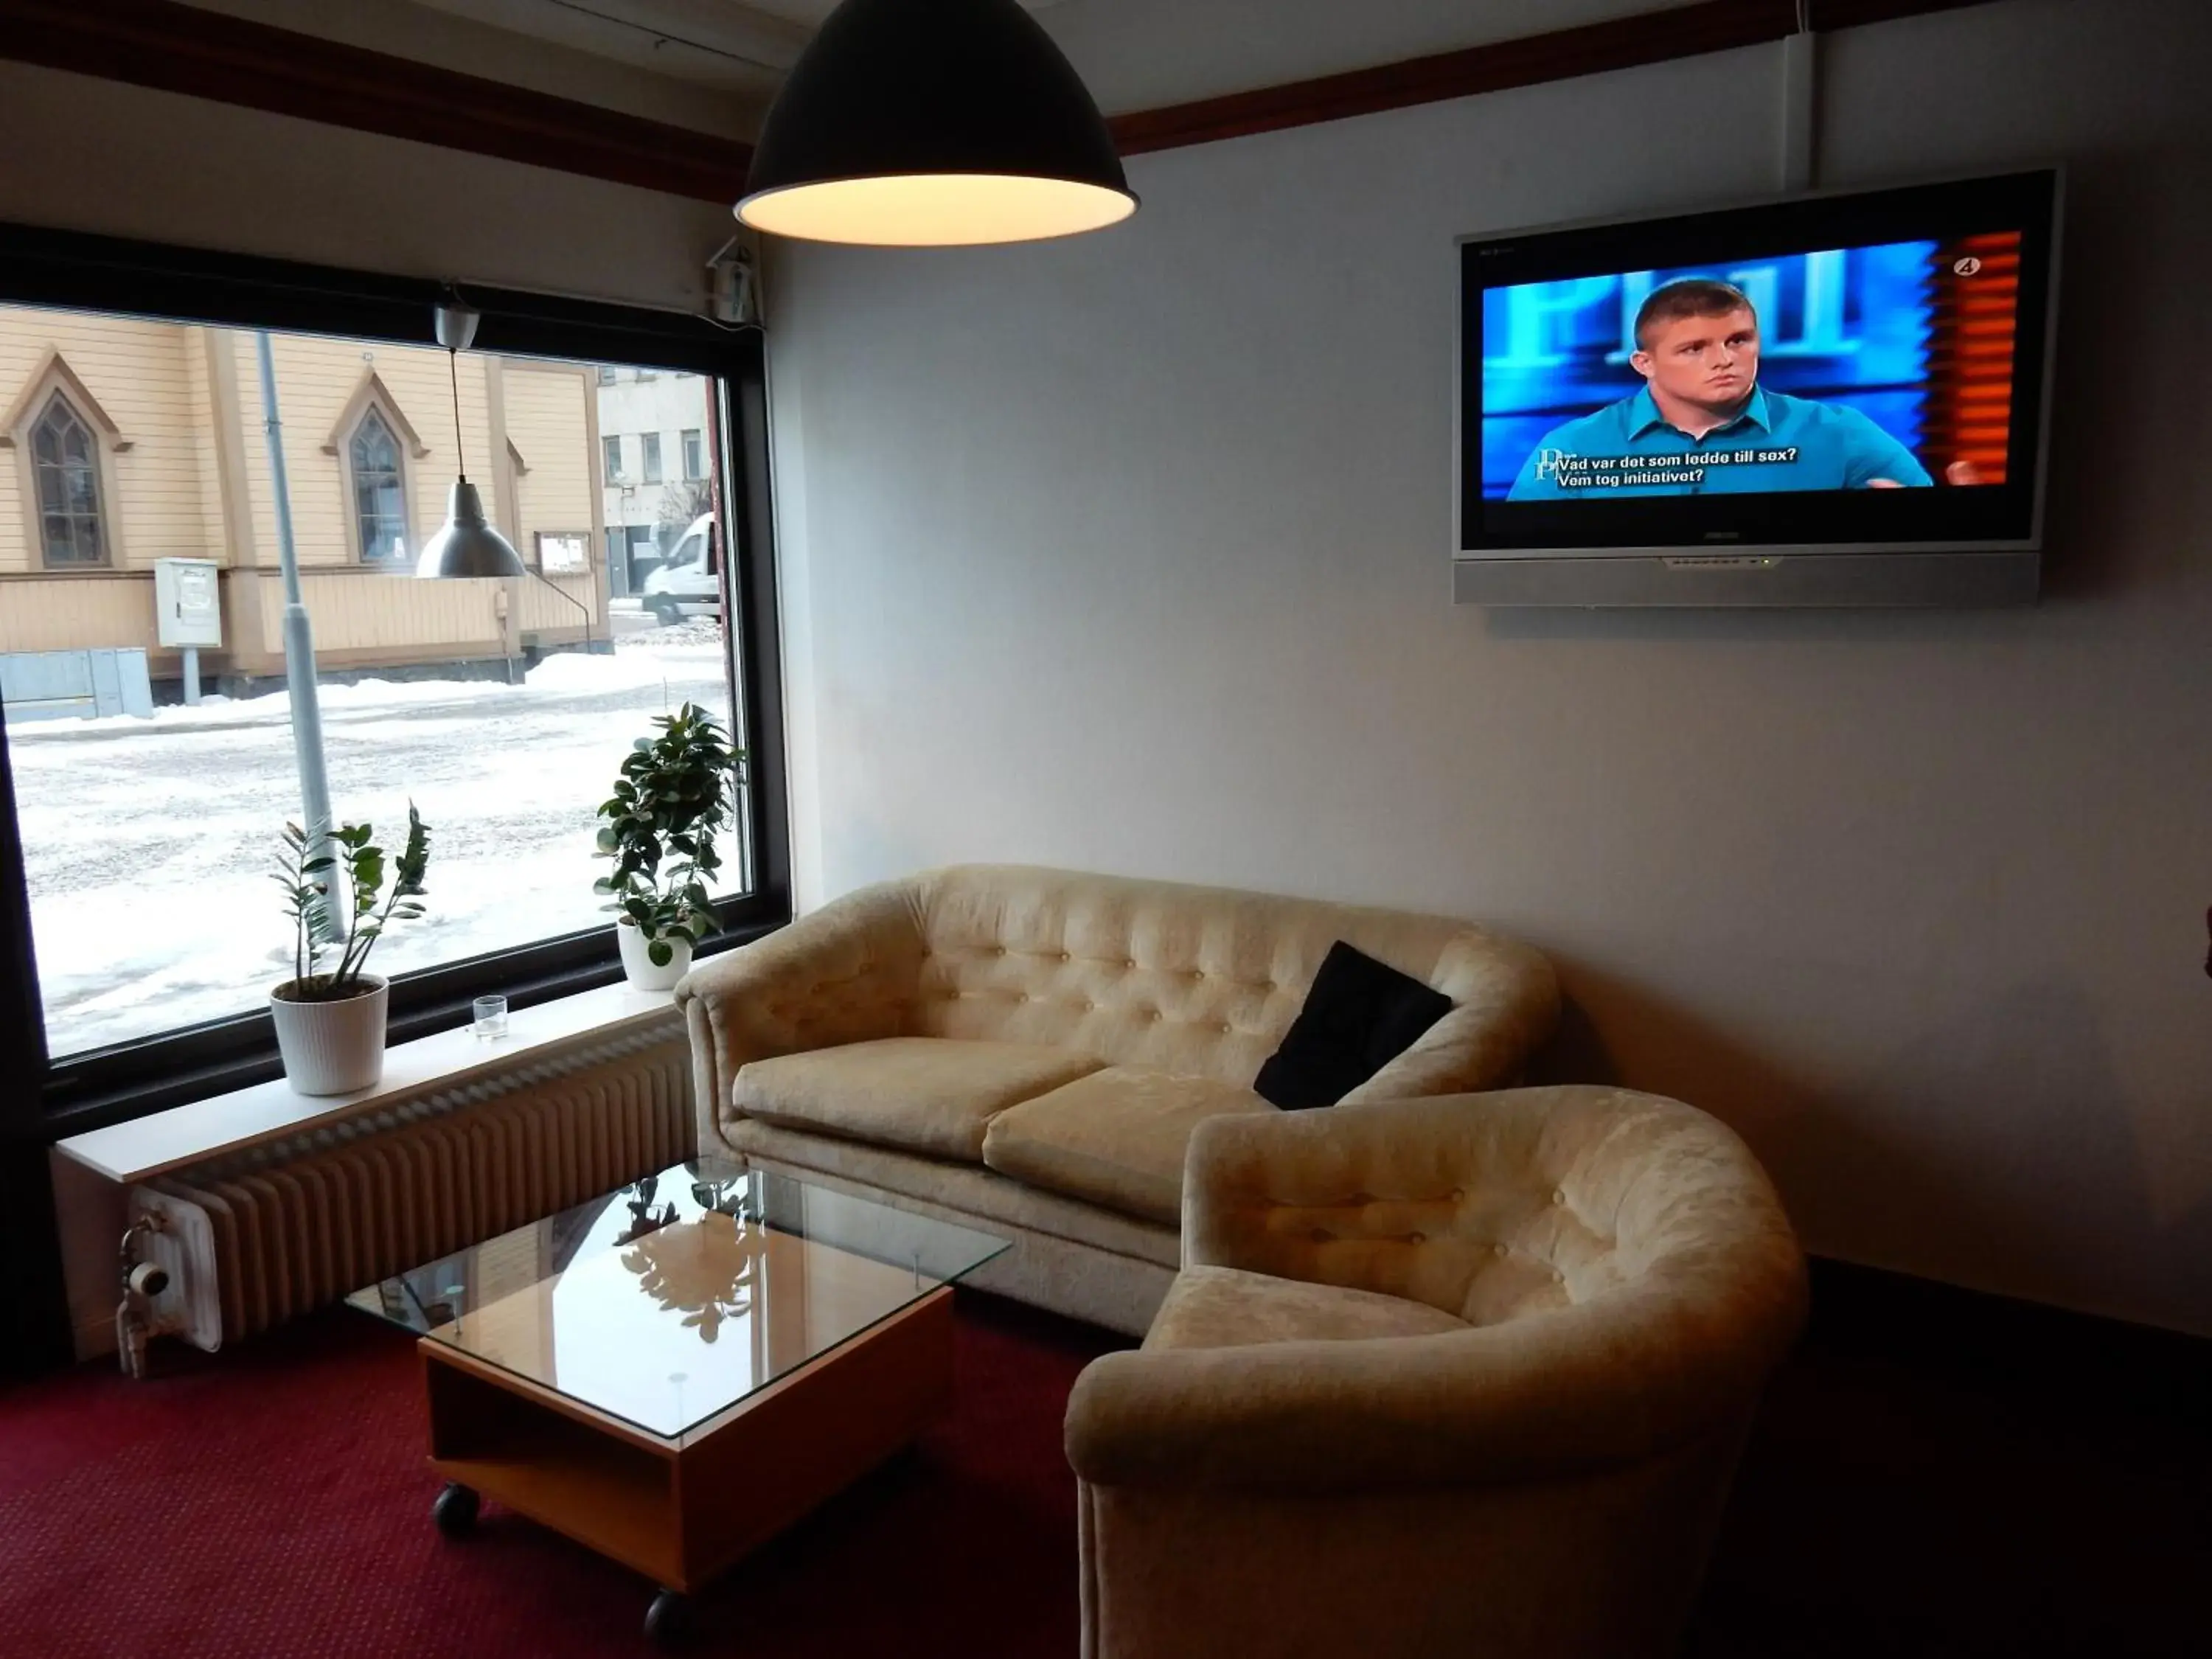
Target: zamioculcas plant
672	798
304	874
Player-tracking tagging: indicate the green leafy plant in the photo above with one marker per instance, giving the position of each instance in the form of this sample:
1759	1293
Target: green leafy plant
306	873
674	796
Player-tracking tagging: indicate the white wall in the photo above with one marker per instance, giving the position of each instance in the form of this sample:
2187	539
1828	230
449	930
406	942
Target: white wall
1131	554
100	155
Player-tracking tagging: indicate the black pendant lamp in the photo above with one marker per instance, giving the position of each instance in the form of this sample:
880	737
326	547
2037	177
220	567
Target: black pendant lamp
934	124
467	544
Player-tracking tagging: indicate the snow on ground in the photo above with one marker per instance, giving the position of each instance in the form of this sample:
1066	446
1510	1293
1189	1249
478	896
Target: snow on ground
148	843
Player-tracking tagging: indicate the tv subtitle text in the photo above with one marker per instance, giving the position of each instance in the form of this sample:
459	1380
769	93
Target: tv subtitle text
1573	472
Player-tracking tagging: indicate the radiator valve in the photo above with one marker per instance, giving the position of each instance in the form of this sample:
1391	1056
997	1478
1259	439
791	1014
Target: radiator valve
142	1282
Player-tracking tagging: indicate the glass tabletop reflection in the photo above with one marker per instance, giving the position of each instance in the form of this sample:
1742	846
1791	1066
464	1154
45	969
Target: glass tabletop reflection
667	1302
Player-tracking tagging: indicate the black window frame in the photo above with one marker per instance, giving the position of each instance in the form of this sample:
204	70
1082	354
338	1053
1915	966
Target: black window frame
74	272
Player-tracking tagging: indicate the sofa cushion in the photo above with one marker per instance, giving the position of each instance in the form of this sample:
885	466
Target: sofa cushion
1116	1138
929	1095
1228	1307
1360	1015
983	1199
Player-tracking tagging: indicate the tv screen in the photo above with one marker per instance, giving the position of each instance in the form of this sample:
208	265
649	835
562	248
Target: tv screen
1858	375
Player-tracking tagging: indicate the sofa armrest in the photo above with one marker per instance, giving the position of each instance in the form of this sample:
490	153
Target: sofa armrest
1506	1002
850	972
1617	1380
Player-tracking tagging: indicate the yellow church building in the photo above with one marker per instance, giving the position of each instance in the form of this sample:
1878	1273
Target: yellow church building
124	442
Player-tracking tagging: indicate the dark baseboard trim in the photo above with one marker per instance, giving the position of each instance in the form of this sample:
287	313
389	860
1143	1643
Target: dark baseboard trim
2025	1346
179	48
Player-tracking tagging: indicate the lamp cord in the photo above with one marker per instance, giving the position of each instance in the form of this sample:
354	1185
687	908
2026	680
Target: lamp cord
460	453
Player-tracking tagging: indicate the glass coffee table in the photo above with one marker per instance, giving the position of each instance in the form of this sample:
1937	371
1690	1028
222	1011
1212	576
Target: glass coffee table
672	1374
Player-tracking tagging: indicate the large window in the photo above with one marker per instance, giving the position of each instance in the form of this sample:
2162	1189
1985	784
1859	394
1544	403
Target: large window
652	464
694	456
143	836
65	461
610	452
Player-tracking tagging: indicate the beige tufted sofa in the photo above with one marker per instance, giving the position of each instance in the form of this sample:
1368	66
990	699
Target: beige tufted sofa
1459	1376
1028	1051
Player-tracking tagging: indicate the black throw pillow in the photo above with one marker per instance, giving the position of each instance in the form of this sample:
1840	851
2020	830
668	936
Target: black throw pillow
1360	1015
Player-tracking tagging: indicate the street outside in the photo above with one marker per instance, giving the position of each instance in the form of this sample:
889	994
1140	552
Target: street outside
148	843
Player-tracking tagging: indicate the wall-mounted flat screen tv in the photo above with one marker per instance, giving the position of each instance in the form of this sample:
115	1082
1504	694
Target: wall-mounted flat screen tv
1835	399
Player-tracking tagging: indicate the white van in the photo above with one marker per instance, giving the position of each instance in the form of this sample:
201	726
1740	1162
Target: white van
689	584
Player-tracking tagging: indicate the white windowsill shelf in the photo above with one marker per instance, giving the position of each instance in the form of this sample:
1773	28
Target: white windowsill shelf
153	1146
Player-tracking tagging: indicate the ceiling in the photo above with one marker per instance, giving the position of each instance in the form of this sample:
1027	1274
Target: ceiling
1134	54
746	45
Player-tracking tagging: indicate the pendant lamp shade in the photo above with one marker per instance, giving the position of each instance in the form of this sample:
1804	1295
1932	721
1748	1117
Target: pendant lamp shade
466	544
934	124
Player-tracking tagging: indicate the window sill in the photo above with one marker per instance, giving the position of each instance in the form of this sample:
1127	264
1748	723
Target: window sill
152	1146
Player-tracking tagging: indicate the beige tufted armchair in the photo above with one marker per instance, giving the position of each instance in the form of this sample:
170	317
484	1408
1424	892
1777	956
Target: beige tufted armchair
1458	1376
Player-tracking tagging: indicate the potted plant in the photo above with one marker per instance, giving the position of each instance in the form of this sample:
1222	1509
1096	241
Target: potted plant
672	799
330	1026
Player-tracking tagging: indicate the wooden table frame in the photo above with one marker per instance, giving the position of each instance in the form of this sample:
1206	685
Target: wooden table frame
681	1509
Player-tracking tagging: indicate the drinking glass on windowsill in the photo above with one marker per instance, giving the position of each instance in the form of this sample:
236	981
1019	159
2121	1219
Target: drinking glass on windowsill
490	1018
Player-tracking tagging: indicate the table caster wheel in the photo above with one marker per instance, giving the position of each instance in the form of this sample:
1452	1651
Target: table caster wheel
665	1619
454	1509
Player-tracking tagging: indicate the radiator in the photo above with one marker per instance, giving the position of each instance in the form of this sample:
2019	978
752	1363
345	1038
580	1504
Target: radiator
292	1226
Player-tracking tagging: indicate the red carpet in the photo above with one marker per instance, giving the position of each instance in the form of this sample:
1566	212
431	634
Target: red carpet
273	1500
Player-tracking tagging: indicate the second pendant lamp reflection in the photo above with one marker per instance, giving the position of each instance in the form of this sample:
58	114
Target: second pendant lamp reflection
934	124
466	544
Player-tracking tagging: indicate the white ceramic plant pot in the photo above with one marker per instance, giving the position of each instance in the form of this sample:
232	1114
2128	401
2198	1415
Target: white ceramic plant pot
637	966
332	1048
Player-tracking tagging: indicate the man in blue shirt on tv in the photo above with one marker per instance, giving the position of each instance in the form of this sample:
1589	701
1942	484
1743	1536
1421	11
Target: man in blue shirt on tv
1701	423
